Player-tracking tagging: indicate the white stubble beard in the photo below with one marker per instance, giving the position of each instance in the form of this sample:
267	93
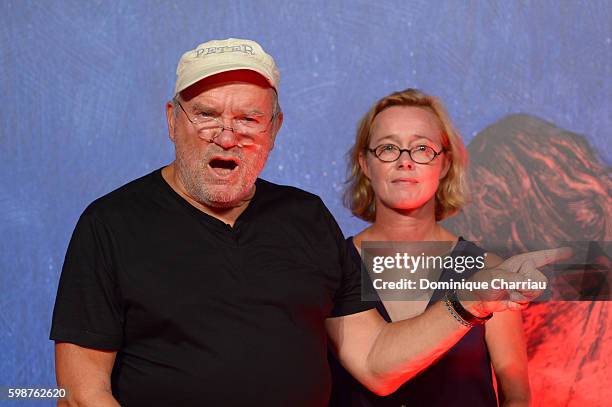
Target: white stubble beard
192	173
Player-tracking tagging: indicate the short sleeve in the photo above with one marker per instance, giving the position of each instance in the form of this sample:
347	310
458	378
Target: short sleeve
347	299
88	309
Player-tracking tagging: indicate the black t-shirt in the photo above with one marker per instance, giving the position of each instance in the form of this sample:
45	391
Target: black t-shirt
461	377
202	313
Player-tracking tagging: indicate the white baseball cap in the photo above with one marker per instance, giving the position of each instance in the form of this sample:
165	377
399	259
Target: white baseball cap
218	56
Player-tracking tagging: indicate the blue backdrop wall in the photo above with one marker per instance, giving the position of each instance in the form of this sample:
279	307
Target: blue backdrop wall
83	86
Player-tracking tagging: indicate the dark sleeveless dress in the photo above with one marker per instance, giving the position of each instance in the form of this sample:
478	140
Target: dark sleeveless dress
462	377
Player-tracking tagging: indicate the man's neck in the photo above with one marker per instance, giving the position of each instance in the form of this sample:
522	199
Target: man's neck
225	215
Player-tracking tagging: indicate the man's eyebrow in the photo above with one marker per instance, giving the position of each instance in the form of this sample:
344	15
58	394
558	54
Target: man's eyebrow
203	108
253	112
210	109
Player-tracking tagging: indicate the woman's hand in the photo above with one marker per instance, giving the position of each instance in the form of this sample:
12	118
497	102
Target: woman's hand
513	284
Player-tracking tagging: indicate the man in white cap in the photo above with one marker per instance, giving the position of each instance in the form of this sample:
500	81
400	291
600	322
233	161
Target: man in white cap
201	284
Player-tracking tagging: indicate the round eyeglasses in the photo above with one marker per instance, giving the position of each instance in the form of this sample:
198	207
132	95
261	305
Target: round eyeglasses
390	152
246	128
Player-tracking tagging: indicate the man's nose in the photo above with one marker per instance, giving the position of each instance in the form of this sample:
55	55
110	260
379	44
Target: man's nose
226	138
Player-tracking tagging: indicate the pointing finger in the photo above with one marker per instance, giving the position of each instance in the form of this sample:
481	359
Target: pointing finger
543	257
539	258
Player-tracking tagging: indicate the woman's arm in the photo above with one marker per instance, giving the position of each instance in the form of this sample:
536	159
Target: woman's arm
506	342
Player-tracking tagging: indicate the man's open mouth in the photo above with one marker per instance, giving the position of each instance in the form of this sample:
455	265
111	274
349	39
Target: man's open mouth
223	166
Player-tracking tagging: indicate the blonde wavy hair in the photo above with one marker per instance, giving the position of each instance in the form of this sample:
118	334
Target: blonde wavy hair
451	195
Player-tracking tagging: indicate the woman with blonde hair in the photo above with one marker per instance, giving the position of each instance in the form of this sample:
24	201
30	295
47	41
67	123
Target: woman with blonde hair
408	167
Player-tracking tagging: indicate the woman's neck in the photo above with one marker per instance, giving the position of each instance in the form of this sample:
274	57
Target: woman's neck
406	225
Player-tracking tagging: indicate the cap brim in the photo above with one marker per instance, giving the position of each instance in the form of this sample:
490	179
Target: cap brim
192	77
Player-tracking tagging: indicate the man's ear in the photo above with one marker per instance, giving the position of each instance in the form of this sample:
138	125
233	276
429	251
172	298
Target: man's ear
363	163
278	122
170	119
